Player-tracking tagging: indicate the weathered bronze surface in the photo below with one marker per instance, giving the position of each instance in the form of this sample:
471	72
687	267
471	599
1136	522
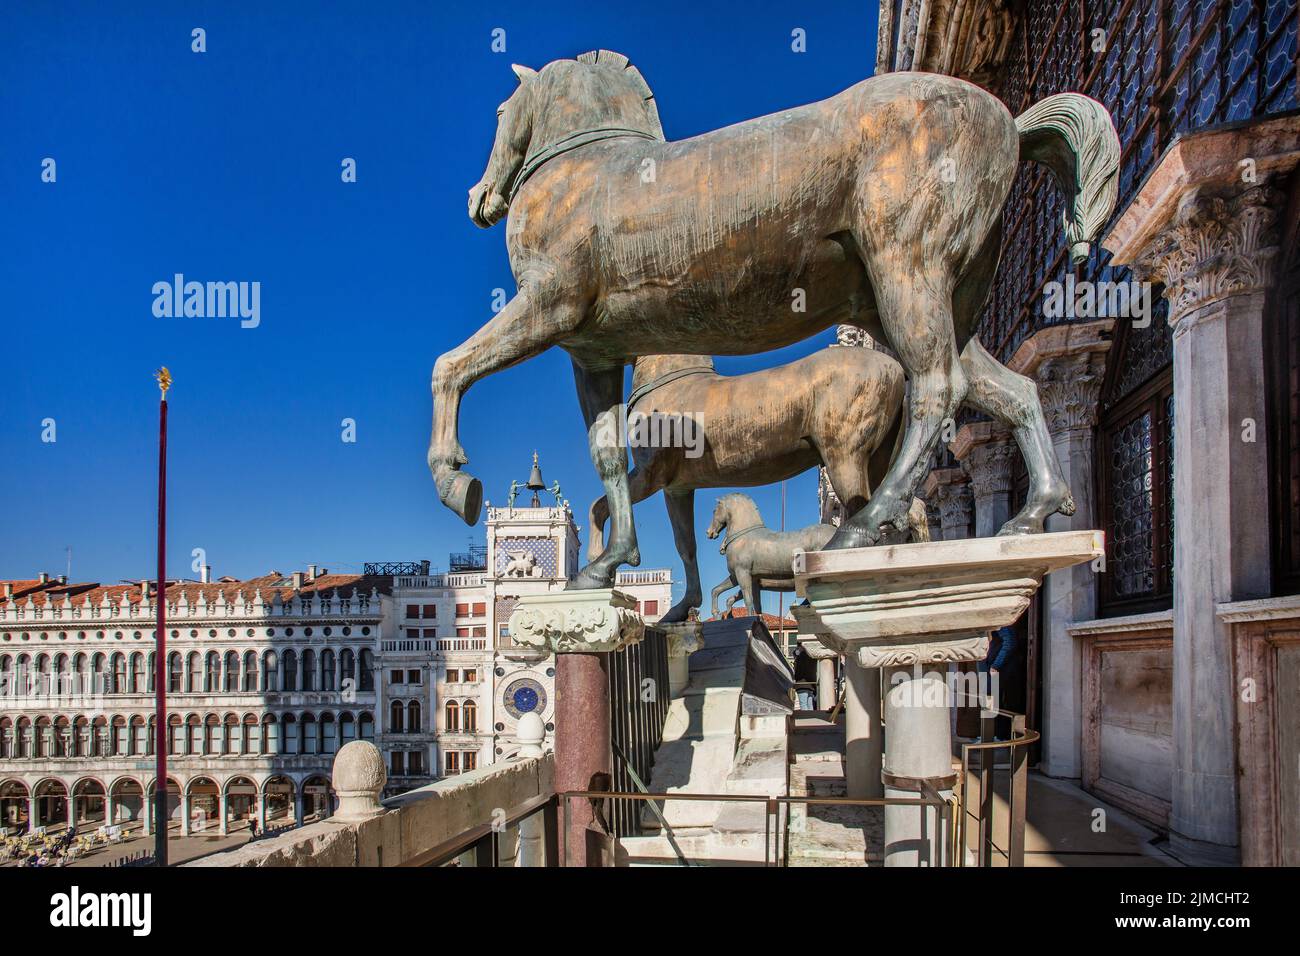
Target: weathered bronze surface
879	207
837	407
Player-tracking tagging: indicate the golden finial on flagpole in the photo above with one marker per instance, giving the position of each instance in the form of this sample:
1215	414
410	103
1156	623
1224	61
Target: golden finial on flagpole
164	378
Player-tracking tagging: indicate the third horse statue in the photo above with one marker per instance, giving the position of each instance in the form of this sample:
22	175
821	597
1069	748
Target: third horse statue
879	208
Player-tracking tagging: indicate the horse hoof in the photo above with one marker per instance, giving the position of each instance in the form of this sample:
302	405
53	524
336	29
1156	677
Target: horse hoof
1067	506
587	580
847	537
463	494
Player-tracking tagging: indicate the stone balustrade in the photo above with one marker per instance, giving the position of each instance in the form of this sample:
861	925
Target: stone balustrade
369	832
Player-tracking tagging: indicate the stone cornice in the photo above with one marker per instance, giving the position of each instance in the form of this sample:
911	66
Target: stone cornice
974	648
1056	341
964	38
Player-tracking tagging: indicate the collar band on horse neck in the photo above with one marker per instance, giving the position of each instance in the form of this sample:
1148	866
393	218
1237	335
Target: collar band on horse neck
565	143
641	391
731	538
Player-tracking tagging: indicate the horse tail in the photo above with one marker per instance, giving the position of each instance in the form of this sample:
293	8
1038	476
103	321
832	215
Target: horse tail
1074	136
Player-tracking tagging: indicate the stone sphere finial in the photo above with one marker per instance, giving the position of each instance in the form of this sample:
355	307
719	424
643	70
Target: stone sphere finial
358	779
530	734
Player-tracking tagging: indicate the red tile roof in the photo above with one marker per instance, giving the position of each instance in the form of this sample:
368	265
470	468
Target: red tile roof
269	584
773	622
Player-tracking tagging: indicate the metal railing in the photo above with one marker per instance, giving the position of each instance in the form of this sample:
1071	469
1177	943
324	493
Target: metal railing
638	706
481	846
1017	797
776	852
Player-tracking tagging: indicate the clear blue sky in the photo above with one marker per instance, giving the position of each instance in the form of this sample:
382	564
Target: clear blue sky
225	165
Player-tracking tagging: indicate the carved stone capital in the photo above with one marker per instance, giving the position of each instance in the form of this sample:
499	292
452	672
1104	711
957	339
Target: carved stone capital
1068	388
973	648
949	489
987	452
599	620
684	638
1221	242
819	651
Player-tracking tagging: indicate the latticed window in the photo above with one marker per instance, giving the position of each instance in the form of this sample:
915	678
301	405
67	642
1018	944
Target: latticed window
1162	68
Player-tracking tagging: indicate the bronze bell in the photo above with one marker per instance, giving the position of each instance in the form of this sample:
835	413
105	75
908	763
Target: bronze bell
535	482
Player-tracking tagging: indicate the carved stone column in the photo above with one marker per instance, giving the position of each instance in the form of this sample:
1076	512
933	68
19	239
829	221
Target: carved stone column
1068	362
1207	228
580	628
987	452
949	489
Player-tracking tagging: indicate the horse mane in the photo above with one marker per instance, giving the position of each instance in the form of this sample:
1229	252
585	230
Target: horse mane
618	63
744	501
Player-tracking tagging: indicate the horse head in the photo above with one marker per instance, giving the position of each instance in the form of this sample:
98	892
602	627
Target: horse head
733	508
600	90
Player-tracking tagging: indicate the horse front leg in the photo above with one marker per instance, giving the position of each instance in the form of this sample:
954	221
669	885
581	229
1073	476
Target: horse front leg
719	588
519	331
600	393
1013	400
681	512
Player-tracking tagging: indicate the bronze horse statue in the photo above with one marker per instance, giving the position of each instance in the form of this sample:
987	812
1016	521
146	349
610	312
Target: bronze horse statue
879	207
758	558
838	407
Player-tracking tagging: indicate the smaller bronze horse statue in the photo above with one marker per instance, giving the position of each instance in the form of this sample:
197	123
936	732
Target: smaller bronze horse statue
836	407
758	558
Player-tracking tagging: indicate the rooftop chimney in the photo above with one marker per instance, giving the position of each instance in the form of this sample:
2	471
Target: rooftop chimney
144	589
9	589
206	576
311	572
45	577
297	580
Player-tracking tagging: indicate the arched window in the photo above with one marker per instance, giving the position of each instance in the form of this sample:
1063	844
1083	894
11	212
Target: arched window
250	672
329	734
289	735
347	728
308	670
270	735
252	742
212	734
24	738
232	737
452	718
61	685
231	683
395	723
100	737
121	737
310	735
6	738
327	670
81	667
470	714
212	673
290	681
270	673
139	735
195	745
43	675
413	717
196	673
175	673
62	737
119	674
175	735
42	737
137	674
99	674
81	742
366	726
366	679
348	665
151	674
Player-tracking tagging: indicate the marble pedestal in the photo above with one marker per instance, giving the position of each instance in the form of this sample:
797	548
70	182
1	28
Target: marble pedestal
911	610
581	628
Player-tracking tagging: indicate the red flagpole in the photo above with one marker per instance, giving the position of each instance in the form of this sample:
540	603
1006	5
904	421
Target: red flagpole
160	667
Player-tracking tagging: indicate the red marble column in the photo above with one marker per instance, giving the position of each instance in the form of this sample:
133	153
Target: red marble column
582	752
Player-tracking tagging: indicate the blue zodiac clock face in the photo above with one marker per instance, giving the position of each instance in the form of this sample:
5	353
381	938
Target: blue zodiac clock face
523	696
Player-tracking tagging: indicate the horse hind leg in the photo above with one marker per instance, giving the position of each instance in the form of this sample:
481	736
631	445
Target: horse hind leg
916	312
681	512
1013	400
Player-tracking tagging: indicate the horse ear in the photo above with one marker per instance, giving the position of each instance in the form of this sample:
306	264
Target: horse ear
523	72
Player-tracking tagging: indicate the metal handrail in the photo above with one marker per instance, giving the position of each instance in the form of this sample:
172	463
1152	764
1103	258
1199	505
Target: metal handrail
484	839
1017	799
929	798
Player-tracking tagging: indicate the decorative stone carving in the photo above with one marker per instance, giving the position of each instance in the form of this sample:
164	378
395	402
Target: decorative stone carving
965	38
595	620
1068	387
684	639
974	648
987	453
358	779
949	489
1220	242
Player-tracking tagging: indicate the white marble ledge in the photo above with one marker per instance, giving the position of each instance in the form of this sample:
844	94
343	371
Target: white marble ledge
1264	609
1129	624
